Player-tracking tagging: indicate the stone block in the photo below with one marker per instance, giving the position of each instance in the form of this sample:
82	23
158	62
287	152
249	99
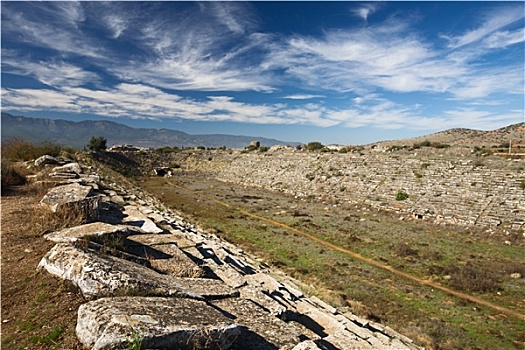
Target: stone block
158	323
98	231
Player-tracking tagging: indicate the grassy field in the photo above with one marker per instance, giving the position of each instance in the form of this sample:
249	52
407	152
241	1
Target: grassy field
469	261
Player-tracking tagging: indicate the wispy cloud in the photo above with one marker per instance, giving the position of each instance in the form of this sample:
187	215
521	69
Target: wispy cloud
504	38
52	73
495	20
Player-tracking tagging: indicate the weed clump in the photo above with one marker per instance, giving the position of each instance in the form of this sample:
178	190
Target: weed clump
401	195
472	279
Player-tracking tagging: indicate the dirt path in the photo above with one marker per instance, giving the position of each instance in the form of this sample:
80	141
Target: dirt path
358	256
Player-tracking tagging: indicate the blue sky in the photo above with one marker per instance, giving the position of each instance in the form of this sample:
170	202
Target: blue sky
334	72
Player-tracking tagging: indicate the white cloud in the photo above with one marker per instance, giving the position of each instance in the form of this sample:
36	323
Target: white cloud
302	96
366	10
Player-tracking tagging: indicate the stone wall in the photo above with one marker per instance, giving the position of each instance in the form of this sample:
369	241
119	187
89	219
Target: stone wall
150	277
443	185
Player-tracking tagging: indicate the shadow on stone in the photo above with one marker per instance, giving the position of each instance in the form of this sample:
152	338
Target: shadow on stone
144	251
249	340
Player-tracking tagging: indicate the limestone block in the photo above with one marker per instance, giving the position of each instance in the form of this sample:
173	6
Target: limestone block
347	341
46	159
327	322
98	230
136	218
164	254
72	195
260	330
69	168
160	323
307	345
98	275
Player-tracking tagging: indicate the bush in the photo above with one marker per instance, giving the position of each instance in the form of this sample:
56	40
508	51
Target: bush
404	250
312	146
472	279
401	195
97	143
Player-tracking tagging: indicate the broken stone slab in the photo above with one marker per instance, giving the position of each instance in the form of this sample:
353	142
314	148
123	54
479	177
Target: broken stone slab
71	194
260	330
98	275
69	168
347	341
327	323
64	176
164	254
45	159
159	323
97	231
136	218
264	282
274	307
227	274
307	345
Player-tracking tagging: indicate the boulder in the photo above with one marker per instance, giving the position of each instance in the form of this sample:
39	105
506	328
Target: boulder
156	323
98	275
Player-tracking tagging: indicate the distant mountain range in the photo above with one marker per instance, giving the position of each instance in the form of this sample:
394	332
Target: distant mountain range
77	134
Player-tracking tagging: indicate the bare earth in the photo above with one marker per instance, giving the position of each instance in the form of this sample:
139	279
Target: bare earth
38	310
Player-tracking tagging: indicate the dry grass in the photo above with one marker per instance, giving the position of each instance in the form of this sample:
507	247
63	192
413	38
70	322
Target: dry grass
43	220
12	175
20	149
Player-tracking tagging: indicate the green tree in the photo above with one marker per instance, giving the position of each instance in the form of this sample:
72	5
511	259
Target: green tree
97	143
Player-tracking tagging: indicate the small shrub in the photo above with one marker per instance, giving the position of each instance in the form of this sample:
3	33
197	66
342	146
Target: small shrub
97	143
404	250
401	195
313	146
472	279
250	148
263	149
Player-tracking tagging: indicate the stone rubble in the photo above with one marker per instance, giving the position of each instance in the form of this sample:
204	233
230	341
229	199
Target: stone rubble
148	273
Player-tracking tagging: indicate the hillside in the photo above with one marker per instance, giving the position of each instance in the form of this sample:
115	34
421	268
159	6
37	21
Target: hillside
470	138
77	134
